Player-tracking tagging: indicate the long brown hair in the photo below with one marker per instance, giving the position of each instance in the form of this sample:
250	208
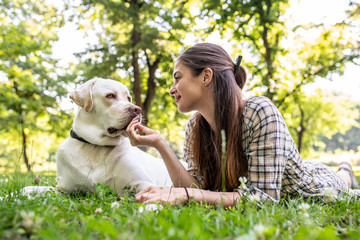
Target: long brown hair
227	94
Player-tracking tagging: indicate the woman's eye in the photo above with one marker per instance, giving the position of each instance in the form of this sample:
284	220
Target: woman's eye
110	95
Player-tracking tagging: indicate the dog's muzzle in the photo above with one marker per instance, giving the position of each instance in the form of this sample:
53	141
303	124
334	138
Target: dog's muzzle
135	111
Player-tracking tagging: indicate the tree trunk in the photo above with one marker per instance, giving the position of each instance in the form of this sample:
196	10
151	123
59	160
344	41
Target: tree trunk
26	159
152	67
301	131
135	39
264	14
150	94
135	64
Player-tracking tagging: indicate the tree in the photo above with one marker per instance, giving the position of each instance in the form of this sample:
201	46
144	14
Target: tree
137	43
310	116
30	88
255	25
352	24
344	141
282	61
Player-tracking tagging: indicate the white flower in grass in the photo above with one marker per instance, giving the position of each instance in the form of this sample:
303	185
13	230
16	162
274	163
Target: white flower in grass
98	210
259	230
115	205
28	218
330	194
58	179
254	198
141	209
304	207
27	215
153	207
150	208
243	181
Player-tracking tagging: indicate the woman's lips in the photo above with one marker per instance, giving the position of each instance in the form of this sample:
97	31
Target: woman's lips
177	98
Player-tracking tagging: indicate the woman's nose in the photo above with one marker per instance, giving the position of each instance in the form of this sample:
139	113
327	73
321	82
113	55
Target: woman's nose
172	90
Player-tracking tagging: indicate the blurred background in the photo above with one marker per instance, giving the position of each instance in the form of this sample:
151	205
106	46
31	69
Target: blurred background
302	54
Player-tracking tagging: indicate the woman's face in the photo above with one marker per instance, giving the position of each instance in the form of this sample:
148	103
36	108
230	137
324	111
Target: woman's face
187	90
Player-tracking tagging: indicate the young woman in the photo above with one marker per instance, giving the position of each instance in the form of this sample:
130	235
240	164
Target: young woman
259	146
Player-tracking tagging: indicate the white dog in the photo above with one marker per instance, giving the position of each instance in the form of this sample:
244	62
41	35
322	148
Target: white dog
99	150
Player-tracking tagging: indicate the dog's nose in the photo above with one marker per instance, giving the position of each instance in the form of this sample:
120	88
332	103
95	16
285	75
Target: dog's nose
135	109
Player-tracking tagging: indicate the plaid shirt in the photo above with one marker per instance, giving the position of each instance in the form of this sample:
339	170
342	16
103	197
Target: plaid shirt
275	167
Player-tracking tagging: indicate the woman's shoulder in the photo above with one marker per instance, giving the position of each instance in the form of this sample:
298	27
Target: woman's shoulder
257	102
259	108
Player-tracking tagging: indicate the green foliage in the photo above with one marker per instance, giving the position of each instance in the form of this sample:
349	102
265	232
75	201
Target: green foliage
258	31
160	30
308	59
137	43
281	60
308	117
30	89
108	216
347	141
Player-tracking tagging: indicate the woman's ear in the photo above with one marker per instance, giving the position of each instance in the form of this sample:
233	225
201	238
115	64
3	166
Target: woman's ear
207	76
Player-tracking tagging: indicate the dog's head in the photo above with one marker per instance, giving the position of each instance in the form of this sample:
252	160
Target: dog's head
106	109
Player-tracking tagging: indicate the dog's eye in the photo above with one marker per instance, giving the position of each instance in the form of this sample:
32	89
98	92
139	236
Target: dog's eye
129	98
110	95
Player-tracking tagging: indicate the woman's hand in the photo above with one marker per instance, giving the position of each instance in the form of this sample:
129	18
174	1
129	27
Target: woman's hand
142	136
178	196
175	196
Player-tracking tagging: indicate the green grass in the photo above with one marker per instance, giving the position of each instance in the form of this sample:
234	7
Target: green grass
79	217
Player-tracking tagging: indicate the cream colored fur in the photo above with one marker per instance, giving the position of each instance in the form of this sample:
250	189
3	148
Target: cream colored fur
109	159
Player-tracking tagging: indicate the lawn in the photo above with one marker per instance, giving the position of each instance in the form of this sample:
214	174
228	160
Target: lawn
108	216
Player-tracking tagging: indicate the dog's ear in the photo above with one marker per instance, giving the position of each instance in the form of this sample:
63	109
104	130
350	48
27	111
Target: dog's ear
82	96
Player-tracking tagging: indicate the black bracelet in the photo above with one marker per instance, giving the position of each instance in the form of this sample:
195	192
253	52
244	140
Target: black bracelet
187	193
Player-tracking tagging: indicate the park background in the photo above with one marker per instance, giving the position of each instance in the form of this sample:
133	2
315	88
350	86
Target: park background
303	55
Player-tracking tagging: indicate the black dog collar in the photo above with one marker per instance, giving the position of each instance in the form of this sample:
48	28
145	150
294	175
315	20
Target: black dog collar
74	135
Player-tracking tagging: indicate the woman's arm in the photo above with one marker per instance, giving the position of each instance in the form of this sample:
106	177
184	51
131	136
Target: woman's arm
148	137
178	196
179	175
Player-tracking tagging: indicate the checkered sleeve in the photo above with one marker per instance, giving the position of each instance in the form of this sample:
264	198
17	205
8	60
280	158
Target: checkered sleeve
266	152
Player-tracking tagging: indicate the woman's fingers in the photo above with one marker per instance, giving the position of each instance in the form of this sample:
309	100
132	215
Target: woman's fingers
130	128
161	195
143	191
141	128
131	131
150	194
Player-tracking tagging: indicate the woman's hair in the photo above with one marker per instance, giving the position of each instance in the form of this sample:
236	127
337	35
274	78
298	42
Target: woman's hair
206	147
